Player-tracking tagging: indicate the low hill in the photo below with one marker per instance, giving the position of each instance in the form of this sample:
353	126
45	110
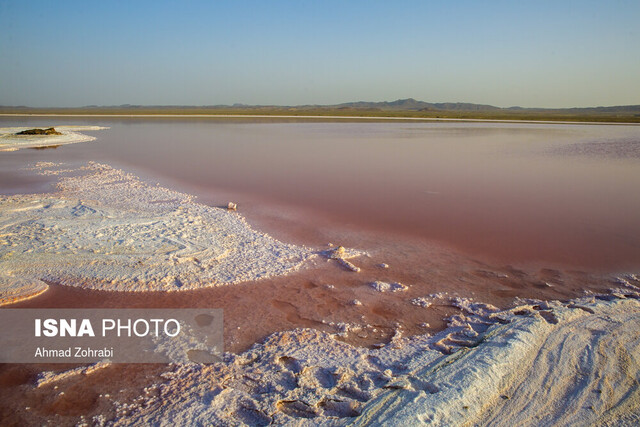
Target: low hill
409	108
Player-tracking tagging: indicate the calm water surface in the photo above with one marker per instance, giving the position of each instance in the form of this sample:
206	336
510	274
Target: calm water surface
564	194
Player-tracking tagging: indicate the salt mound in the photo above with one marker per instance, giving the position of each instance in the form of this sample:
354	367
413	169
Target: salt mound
108	230
9	141
539	364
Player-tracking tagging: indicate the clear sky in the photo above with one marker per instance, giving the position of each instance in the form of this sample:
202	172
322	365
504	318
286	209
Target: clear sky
528	53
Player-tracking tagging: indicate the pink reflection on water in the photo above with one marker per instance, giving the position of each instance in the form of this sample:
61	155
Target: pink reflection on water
513	191
563	194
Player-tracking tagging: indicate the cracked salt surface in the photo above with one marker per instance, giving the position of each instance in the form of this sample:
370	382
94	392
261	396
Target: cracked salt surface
9	141
540	363
108	230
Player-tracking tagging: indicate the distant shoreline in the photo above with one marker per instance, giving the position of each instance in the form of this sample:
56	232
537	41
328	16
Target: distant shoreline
401	109
321	117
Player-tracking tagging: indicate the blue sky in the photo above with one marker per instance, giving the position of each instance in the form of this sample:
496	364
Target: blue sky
505	53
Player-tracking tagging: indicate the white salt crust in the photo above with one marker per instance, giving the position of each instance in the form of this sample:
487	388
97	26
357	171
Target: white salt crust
9	141
540	363
381	286
14	289
108	230
51	377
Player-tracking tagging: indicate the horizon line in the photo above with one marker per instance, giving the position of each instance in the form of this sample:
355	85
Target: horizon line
244	105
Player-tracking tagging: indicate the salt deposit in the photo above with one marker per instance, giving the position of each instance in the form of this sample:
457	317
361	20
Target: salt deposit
9	141
538	364
13	289
342	255
189	346
108	230
577	365
49	377
421	302
388	287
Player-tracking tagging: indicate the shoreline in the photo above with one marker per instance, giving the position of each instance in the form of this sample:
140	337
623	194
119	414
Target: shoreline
334	287
328	117
331	360
107	223
484	366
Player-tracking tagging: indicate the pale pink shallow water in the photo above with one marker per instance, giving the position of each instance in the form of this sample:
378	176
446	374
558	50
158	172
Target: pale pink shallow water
559	194
488	211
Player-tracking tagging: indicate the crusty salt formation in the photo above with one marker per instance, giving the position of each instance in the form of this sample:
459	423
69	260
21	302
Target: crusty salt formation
388	287
108	230
14	289
541	363
576	364
342	256
10	141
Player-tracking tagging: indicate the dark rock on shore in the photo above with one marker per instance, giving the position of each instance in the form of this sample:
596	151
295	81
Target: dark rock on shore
49	131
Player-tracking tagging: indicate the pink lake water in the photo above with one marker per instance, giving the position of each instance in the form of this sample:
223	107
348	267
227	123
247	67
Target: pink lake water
518	193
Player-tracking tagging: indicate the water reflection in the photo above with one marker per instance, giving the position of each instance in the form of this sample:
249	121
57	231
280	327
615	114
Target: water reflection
517	192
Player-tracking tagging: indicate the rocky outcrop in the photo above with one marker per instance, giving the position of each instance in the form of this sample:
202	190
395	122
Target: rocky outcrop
48	131
16	138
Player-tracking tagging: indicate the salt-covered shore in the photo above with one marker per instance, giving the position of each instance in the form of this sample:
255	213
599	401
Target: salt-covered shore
105	229
540	363
9	141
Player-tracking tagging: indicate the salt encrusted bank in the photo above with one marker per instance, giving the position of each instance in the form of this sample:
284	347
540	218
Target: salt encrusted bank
106	229
10	141
539	363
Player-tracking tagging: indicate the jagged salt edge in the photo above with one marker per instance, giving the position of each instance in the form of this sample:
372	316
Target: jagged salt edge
398	364
82	189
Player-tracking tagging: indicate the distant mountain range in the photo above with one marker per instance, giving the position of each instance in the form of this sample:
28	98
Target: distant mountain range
408	104
411	104
400	108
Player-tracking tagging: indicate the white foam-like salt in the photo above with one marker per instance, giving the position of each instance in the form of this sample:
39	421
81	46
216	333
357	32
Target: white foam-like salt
108	230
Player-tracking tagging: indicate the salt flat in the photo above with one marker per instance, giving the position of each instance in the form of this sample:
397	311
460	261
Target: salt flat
105	229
